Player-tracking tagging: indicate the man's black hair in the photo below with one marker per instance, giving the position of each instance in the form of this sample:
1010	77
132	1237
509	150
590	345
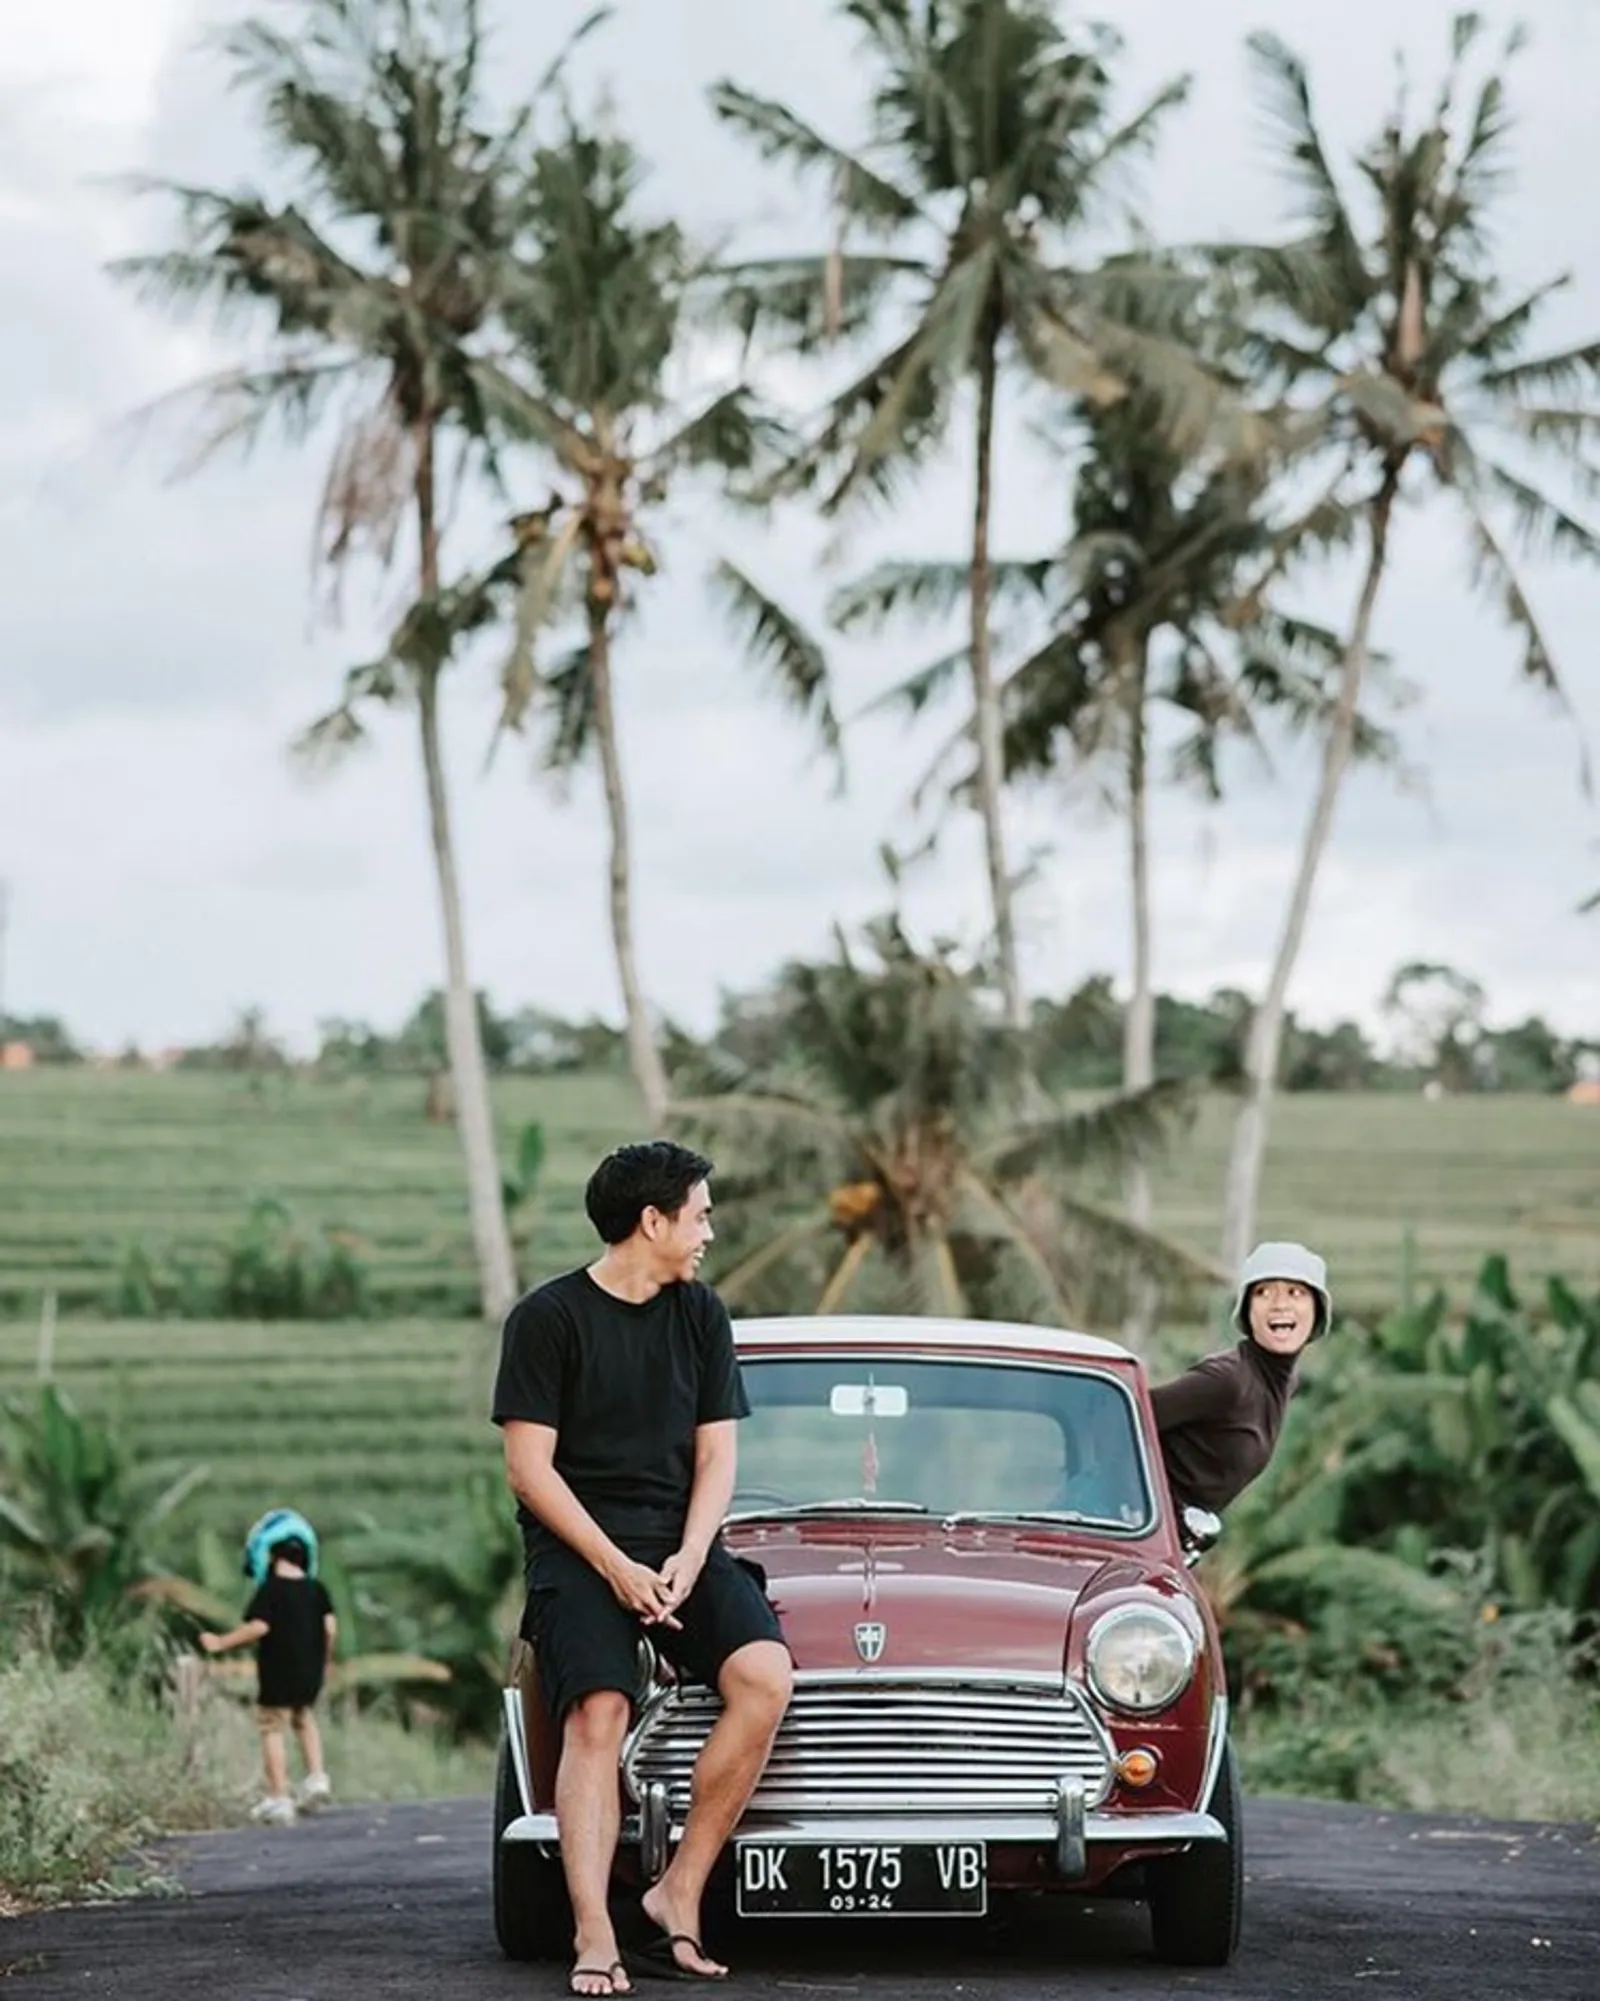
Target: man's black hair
290	1550
651	1174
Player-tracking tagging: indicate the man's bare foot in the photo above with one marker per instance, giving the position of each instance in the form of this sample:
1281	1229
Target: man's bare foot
597	1979
680	1934
597	1966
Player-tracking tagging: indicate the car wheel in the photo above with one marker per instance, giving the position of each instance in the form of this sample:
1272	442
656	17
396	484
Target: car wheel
532	1917
1197	1898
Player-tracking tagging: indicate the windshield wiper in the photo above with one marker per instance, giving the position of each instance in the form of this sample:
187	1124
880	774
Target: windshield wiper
853	1506
1056	1517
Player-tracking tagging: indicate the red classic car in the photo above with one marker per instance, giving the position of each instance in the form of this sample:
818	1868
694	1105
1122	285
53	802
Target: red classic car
1006	1680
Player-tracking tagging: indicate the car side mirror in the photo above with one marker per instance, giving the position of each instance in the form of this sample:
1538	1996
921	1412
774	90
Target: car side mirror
1198	1530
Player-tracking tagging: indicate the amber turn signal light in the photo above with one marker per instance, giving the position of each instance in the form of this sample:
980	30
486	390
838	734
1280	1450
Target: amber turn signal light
1137	1768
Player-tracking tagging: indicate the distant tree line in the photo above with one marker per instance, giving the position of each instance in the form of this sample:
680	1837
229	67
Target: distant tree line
1439	1034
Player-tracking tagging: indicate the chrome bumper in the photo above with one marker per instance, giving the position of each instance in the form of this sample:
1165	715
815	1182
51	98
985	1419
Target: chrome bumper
1143	1830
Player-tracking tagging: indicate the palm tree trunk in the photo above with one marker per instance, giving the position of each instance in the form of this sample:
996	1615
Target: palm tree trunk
986	704
469	1075
1266	1025
1139	1024
645	1058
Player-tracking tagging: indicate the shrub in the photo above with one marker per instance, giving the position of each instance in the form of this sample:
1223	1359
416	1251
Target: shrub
92	1769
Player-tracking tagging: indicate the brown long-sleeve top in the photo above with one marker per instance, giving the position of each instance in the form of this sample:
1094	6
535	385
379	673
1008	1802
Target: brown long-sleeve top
1219	1422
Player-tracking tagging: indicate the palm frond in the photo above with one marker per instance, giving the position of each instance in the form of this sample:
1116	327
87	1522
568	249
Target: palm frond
1562	373
1495	573
734	433
1142	1253
806	300
1543	526
1010	1228
780	134
776	638
236	408
1112	1135
524	414
543	565
763	1117
929	591
1285	93
327	740
844	1275
734	1284
1136	136
568	690
921	379
927	685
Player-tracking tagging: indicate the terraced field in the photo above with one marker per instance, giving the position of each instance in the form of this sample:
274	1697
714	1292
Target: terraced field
386	1415
92	1163
379	1418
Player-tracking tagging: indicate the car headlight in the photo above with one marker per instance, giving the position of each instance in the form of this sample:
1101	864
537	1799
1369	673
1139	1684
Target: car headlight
1139	1658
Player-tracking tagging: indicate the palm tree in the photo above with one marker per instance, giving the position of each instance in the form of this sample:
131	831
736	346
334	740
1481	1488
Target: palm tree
886	1140
600	320
1396	337
992	145
1139	610
374	283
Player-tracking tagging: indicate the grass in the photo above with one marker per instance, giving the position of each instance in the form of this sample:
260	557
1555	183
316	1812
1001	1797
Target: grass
94	1161
96	1766
1529	1750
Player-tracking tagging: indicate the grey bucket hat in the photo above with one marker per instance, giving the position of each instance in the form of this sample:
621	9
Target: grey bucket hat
1284	1261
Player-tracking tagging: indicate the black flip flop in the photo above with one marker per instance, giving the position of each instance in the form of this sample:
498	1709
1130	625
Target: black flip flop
599	1973
654	1959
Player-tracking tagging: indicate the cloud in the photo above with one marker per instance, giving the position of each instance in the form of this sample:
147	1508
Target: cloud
157	652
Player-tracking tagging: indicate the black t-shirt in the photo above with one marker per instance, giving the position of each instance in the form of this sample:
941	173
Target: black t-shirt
624	1387
292	1653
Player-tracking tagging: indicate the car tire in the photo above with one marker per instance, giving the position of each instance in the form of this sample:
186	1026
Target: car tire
532	1914
1197	1898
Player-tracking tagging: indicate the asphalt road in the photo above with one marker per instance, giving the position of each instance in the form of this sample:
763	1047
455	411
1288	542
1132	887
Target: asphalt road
365	1904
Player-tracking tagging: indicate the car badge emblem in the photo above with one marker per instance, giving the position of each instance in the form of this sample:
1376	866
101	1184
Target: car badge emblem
870	1636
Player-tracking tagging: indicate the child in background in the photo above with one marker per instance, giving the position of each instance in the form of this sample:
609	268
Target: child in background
290	1621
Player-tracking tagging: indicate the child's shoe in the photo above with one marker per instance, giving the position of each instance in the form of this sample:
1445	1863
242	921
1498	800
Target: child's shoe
315	1790
274	1811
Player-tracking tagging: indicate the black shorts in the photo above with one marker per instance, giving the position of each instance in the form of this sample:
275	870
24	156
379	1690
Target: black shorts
587	1641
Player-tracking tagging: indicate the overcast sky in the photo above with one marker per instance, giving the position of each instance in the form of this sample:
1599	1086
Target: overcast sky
168	865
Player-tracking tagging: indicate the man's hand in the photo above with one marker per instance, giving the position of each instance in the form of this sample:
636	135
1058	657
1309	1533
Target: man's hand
680	1573
210	1643
643	1591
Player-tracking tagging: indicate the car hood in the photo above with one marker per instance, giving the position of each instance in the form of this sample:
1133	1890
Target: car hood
993	1597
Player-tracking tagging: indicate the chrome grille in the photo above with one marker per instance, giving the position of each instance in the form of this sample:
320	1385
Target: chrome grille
885	1744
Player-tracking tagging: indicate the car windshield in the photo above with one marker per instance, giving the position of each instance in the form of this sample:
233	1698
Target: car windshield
851	1433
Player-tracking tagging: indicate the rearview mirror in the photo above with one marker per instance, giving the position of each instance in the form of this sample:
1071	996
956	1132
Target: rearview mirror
869	1400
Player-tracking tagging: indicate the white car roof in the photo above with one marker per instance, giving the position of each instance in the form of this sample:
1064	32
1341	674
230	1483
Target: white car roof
911	1331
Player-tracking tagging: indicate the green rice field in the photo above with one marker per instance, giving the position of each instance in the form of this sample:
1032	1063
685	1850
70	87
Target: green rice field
386	1415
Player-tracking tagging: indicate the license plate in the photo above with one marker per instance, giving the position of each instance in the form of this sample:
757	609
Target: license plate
887	1879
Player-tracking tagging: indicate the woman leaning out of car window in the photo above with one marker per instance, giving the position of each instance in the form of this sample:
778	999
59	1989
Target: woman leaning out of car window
1219	1421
